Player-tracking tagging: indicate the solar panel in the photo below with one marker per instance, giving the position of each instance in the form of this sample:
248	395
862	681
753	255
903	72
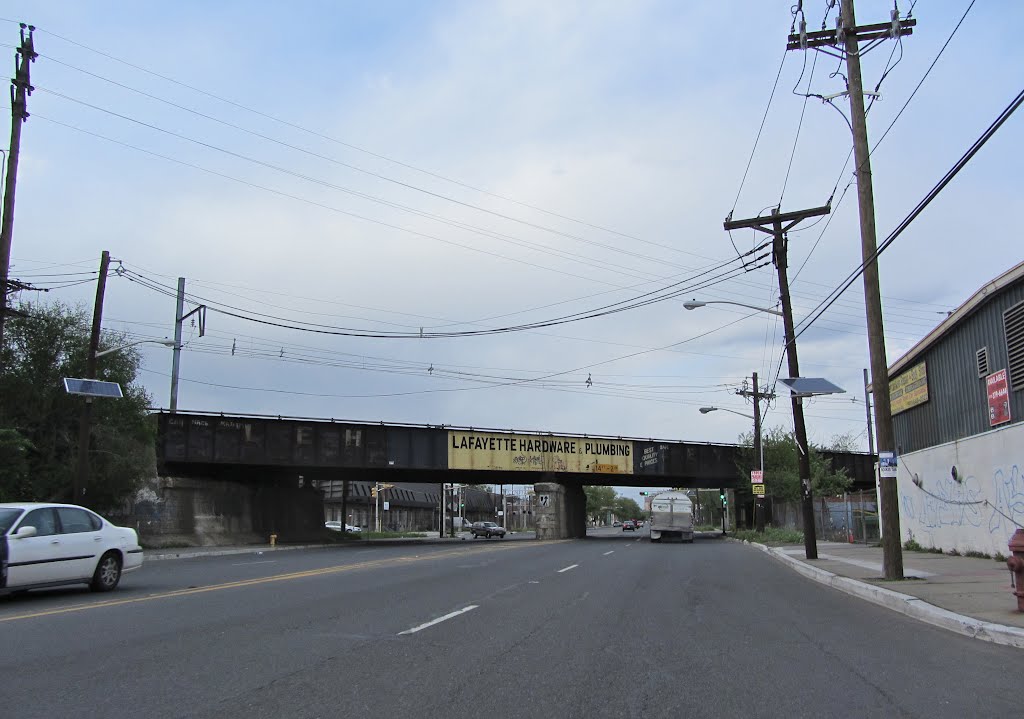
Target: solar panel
811	386
92	387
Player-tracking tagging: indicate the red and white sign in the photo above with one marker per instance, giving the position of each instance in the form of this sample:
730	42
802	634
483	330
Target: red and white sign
998	398
756	476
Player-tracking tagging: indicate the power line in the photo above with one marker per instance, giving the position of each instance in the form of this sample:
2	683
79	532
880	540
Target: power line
918	209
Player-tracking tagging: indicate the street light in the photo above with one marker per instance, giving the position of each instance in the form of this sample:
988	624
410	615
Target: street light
164	342
694	304
758	451
799	426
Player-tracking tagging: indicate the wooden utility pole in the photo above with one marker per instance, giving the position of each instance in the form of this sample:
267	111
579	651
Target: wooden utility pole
21	88
777	225
844	42
758	447
85	420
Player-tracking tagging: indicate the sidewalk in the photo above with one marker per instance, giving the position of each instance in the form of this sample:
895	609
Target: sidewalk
967	595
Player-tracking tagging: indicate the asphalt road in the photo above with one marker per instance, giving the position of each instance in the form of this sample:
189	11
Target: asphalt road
611	626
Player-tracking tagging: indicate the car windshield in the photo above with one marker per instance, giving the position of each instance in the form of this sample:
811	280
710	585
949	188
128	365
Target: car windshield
8	516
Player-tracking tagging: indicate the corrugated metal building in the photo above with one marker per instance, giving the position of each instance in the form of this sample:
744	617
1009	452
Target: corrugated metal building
958	402
940	388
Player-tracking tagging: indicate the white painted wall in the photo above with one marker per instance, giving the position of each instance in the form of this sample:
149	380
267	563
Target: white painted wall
991	469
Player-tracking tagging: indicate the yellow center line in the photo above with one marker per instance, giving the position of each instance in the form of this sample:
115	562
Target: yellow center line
324	571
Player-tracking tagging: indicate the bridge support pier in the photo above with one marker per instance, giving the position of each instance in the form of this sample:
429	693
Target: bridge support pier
561	511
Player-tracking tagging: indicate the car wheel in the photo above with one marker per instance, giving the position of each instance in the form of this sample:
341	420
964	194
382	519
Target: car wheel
107	574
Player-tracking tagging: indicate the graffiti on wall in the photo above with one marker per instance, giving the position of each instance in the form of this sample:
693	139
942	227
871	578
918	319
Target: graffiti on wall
947	502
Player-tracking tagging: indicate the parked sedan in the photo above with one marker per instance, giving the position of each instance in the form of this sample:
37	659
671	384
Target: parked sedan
335	526
49	545
486	530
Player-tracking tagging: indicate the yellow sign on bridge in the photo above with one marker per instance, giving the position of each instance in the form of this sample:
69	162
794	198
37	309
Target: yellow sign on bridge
538	453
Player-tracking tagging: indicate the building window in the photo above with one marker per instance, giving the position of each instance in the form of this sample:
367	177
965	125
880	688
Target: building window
982	357
1013	328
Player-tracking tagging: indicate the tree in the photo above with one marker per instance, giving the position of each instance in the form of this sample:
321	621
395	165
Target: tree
781	470
627	508
600	501
39	420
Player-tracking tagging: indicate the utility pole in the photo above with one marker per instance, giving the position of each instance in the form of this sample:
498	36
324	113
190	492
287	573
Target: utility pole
847	37
179	321
758	447
21	88
867	409
85	418
176	357
780	224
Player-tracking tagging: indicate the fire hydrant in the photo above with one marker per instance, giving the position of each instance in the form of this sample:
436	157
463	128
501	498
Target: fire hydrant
273	540
1016	565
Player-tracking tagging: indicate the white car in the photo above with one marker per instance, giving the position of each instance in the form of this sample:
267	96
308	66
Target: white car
48	545
336	526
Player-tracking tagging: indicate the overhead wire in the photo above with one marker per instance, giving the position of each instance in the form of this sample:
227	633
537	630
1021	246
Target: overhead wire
339	142
917	210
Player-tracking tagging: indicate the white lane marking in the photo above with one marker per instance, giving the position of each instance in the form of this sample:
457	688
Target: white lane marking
534	582
445	618
243	564
571	566
607	553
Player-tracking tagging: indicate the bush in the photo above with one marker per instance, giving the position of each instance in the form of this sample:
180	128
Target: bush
771	536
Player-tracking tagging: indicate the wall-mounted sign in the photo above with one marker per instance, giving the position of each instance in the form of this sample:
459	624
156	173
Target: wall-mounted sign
998	398
538	453
909	389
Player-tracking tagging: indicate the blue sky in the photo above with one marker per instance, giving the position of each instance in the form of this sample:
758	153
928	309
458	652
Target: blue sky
587	151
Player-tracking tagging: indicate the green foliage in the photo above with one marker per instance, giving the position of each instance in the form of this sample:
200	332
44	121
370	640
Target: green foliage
39	420
600	501
772	536
782	469
912	545
14	467
627	508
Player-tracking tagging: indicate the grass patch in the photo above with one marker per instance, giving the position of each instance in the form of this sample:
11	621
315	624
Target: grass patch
999	557
706	528
772	536
386	535
977	555
912	545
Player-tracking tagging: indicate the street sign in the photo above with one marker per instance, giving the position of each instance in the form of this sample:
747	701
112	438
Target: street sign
886	464
758	489
756	476
387	506
544	500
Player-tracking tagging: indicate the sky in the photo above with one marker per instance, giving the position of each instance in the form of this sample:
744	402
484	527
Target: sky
352	187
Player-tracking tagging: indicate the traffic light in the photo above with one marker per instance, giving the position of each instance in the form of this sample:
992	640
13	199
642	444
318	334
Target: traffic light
644	494
723	497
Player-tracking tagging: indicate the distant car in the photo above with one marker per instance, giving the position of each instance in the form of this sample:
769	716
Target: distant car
616	524
50	545
486	530
336	526
629	524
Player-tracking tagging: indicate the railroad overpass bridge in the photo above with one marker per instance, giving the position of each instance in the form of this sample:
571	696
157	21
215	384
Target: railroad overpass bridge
236	457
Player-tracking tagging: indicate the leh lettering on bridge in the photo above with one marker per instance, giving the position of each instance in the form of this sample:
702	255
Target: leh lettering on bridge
479	450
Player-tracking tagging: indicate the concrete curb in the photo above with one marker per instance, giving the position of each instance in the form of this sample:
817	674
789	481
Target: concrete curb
906	604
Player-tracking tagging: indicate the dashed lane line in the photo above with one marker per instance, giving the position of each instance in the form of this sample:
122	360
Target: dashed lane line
445	618
566	569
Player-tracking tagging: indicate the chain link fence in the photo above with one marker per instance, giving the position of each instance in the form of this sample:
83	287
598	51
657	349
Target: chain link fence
852	517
